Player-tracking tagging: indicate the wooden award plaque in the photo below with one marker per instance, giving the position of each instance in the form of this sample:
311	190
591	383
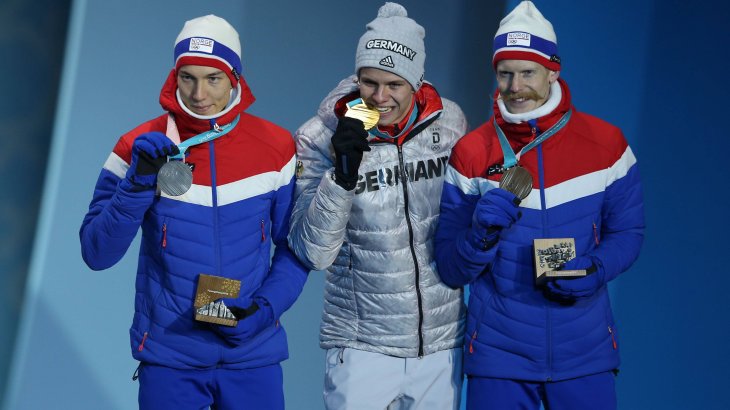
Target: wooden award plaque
211	288
550	255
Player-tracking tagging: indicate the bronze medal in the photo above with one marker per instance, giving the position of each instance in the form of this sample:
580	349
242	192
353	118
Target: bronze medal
175	178
359	110
518	181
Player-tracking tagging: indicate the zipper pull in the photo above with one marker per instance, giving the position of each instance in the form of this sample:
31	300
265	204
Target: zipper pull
164	238
595	233
533	128
141	345
471	343
613	339
263	234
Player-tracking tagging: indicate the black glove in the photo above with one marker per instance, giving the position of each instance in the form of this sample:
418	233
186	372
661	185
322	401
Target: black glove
149	153
253	317
496	210
350	141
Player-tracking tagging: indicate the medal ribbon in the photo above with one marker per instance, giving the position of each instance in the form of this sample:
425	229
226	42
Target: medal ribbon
414	114
510	159
204	137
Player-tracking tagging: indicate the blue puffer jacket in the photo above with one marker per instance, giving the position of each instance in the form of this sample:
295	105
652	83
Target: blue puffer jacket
585	186
239	204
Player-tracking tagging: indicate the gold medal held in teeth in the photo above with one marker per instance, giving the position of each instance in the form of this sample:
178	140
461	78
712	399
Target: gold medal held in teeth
359	110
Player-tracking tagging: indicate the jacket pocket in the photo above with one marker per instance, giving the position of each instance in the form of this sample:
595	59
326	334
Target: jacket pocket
596	234
473	333
149	309
613	336
150	313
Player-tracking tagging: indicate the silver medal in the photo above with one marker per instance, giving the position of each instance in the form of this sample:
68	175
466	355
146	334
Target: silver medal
175	178
518	181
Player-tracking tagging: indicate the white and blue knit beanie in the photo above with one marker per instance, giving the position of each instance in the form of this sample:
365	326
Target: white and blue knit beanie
393	42
210	41
524	34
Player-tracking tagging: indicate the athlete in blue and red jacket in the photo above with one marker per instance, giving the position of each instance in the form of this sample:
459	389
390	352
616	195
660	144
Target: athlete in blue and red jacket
239	204
528	343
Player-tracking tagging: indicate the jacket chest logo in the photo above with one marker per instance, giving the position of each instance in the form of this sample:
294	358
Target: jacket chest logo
391	176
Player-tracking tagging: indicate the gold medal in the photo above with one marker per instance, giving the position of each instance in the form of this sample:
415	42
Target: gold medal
359	110
518	181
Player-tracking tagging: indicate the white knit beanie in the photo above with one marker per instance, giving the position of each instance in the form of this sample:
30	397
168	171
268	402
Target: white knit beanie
209	41
393	42
524	34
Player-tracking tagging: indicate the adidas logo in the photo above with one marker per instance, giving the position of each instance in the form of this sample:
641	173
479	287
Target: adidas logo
387	62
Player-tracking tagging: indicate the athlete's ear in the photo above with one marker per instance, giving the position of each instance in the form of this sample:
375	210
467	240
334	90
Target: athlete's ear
553	77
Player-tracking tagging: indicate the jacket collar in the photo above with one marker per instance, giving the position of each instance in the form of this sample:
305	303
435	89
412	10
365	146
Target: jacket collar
521	133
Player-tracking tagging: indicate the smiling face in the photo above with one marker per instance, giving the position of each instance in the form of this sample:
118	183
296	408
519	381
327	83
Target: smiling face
524	85
389	93
204	90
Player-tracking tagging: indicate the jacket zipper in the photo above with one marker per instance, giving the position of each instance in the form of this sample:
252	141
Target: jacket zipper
214	193
263	231
613	338
595	233
548	316
141	345
404	180
164	235
471	342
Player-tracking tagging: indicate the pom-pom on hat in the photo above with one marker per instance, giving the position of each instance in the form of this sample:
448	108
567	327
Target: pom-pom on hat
209	41
393	42
524	34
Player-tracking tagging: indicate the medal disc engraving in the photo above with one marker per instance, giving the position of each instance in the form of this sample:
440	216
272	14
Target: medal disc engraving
359	110
518	181
175	178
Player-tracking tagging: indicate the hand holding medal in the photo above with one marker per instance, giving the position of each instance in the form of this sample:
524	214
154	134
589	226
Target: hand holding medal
350	141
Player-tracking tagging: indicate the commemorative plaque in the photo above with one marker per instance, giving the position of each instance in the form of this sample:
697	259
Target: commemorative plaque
550	255
210	289
175	178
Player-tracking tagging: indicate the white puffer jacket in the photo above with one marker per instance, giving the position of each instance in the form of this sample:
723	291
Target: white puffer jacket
382	293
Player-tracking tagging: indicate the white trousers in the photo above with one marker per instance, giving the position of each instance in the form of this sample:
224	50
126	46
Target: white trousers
355	379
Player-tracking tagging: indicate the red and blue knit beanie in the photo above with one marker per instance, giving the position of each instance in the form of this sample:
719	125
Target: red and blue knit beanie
524	34
209	41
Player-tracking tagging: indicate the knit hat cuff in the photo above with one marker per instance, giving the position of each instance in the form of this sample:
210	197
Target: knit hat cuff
209	62
526	46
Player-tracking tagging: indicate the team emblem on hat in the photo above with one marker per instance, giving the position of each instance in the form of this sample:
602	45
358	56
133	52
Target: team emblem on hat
202	45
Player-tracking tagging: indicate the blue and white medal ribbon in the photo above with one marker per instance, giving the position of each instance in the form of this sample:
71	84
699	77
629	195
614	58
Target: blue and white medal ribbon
210	135
175	177
515	178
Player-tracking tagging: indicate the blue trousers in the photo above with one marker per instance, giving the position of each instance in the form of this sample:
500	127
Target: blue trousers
595	392
220	389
